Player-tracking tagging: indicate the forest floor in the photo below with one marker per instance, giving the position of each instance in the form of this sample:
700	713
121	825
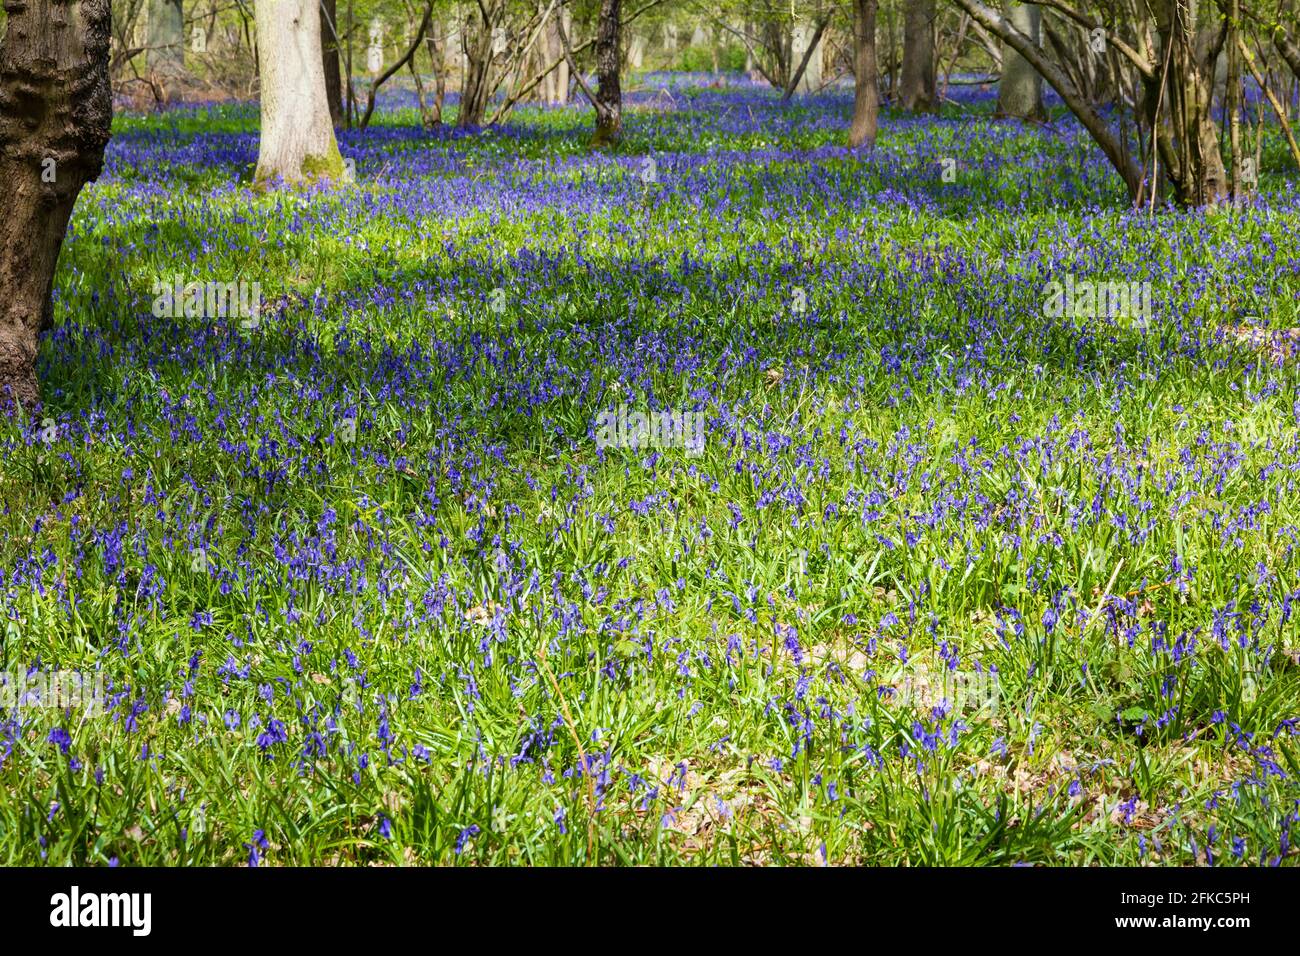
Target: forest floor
943	572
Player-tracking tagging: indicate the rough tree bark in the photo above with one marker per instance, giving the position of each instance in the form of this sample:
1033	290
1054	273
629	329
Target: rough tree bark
1289	50
1020	92
866	96
297	136
1189	140
56	108
476	87
917	86
329	43
608	100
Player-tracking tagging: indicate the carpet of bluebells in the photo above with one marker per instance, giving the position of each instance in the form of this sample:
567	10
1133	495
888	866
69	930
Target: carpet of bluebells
363	586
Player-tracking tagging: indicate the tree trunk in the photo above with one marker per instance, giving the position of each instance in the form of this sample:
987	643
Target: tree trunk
917	86
555	86
477	84
892	65
866	96
1289	50
412	48
1020	93
548	43
1232	102
297	142
1189	140
349	94
329	42
636	53
804	59
166	42
609	93
56	110
438	60
563	79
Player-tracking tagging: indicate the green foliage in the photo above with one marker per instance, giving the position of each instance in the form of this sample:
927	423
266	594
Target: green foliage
213	440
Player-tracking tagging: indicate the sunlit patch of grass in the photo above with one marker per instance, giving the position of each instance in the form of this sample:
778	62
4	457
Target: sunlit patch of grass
362	580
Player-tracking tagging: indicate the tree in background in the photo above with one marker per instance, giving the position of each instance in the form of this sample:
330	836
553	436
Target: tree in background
297	143
608	100
866	92
329	41
56	110
481	42
1161	63
917	91
768	30
166	55
555	84
1112	143
1189	140
1139	74
1020	92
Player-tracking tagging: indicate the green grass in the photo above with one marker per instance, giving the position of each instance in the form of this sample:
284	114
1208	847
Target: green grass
922	465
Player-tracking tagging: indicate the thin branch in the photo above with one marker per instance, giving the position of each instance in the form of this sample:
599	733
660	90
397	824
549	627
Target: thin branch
1087	114
415	45
1272	98
573	65
1140	63
807	56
